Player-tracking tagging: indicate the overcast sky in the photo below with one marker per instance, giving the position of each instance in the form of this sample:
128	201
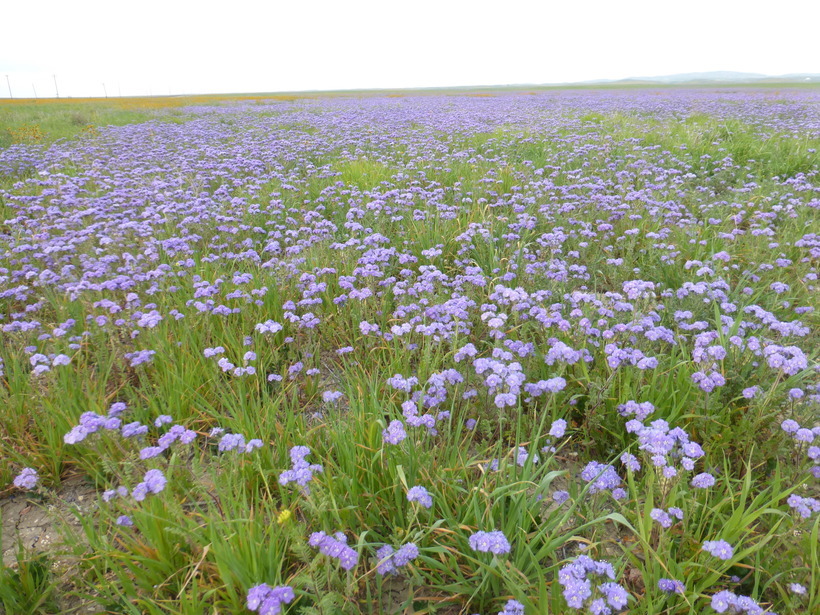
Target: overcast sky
180	46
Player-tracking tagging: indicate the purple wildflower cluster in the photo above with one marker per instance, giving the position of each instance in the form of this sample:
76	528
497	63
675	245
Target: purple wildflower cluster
27	479
665	447
41	363
395	432
490	542
726	601
91	422
267	600
234	441
301	471
665	517
164	442
805	507
804	442
513	607
719	549
336	547
603	477
153	482
226	366
581	580
421	495
639	410
390	561
671	586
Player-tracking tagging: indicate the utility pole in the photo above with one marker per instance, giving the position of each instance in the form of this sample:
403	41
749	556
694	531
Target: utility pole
9	84
35	91
55	86
105	91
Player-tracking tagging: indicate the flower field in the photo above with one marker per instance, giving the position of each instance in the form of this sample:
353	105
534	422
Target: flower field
516	353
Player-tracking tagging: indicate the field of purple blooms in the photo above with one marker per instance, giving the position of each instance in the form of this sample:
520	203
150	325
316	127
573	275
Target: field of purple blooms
522	353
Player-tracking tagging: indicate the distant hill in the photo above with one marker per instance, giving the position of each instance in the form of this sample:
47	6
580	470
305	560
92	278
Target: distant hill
712	77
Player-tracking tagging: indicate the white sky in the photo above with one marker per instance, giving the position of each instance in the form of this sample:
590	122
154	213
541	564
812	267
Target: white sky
182	46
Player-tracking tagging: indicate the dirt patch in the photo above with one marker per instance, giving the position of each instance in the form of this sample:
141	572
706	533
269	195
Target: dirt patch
34	520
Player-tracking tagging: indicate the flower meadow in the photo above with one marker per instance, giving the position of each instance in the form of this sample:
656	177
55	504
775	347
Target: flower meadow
546	352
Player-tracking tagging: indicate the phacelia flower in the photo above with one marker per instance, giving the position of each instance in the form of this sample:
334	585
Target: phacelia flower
671	586
335	546
268	600
581	580
513	607
703	480
420	495
27	479
395	432
719	549
301	471
390	561
490	542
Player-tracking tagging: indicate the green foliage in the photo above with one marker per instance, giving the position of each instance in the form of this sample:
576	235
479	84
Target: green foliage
29	587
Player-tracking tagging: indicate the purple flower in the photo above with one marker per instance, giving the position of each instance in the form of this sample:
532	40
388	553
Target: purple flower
522	456
77	434
805	507
559	497
163	419
582	580
600	476
719	549
139	357
268	600
131	430
390	561
662	517
335	546
124	521
155	481
420	495
301	471
631	462
268	327
330	397
490	542
671	586
117	408
27	479
231	441
558	428
703	480
513	607
151	451
751	392
724	600
394	433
